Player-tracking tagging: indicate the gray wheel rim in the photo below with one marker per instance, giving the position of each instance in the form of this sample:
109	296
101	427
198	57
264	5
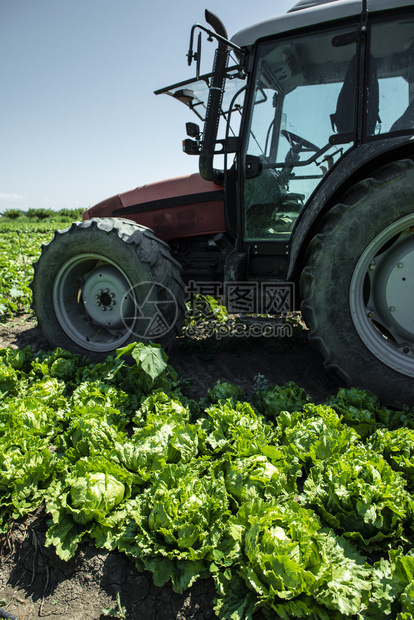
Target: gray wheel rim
89	294
382	296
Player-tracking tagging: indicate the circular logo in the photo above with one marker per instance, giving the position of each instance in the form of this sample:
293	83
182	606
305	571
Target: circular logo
149	310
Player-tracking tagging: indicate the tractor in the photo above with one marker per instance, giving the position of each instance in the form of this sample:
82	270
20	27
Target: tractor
305	186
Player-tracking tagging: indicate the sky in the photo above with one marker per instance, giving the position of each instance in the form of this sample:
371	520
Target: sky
79	121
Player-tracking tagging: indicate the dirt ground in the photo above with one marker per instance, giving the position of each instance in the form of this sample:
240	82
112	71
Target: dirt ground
35	583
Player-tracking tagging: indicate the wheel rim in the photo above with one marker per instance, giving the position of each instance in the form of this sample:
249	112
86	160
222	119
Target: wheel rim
382	296
90	298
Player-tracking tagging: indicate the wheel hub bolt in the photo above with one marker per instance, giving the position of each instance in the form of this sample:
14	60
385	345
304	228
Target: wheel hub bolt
372	266
400	265
371	314
406	349
391	309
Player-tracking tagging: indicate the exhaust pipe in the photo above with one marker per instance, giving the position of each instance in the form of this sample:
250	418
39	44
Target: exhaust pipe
215	97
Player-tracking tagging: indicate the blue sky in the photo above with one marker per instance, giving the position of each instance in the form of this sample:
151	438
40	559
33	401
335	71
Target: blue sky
78	118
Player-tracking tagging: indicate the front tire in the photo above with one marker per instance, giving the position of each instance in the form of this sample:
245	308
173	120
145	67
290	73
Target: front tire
357	286
103	283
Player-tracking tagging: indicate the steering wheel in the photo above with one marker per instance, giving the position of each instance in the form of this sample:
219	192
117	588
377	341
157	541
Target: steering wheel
297	143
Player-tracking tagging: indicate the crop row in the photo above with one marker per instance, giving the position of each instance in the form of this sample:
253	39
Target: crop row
298	509
18	251
21	237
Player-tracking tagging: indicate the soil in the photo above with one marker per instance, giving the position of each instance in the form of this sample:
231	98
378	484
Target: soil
35	583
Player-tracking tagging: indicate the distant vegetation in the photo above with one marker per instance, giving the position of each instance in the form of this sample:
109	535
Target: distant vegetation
42	214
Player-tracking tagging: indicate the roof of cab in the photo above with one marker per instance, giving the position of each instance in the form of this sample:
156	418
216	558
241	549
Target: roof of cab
317	12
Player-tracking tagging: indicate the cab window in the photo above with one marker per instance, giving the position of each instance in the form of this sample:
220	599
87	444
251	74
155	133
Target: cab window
302	120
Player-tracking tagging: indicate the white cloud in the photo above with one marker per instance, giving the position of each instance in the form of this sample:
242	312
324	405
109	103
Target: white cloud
13	201
12	198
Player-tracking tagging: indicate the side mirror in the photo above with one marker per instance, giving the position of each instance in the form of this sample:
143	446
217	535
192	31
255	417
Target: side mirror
192	130
192	147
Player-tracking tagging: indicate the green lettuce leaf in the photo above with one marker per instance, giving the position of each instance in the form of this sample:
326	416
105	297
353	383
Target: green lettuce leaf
186	509
28	466
254	477
223	391
392	587
287	397
235	427
397	448
360	495
151	365
294	567
9	380
65	535
85	494
362	411
315	433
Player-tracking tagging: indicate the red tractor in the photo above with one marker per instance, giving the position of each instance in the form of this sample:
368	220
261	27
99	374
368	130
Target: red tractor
306	162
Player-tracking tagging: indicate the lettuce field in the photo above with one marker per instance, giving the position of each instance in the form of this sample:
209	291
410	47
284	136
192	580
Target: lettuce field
21	236
292	509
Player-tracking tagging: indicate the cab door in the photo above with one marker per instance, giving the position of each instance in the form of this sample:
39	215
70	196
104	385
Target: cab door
302	119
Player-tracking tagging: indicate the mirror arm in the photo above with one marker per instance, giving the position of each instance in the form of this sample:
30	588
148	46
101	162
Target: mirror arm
191	55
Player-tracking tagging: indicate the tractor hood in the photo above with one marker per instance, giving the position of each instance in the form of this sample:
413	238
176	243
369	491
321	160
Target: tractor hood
174	208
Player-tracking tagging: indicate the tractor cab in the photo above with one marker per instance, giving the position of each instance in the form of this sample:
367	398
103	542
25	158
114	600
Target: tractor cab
298	93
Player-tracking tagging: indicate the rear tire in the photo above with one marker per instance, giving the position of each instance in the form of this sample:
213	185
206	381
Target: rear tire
357	285
104	283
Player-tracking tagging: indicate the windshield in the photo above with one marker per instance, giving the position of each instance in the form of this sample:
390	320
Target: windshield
302	120
303	114
194	94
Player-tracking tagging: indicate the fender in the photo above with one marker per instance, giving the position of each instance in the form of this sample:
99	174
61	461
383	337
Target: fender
353	167
186	206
